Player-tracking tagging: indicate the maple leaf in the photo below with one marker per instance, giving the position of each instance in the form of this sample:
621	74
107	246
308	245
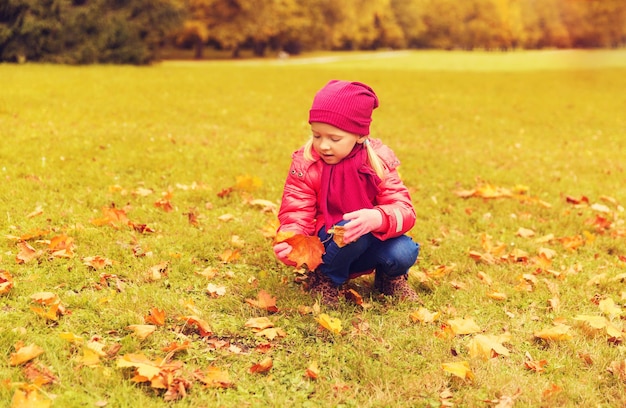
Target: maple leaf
6	282
97	262
487	346
156	272
264	301
312	371
203	327
174	346
259	323
24	354
618	369
214	377
271	333
146	369
607	306
156	317
142	330
62	246
307	250
558	332
230	255
332	324
71	337
463	326
535	365
460	369
262	367
39	374
215	290
423	315
164	204
111	216
26	253
27	396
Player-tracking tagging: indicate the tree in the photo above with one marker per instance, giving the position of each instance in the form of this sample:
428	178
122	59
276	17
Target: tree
85	31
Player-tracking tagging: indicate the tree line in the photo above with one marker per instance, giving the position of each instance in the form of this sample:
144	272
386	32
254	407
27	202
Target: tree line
133	31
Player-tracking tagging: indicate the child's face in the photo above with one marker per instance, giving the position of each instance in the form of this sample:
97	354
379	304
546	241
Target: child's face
331	143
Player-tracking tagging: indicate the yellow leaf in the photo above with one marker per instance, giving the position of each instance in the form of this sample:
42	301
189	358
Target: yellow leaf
272	332
214	377
259	323
145	368
27	396
460	369
331	324
24	354
463	326
486	346
423	315
264	301
71	337
142	330
558	332
608	307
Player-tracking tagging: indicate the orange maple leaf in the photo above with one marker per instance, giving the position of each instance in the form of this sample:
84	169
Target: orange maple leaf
156	317
263	366
203	327
307	250
26	253
264	301
111	216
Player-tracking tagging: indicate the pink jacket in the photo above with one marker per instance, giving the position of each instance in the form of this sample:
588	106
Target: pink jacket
300	207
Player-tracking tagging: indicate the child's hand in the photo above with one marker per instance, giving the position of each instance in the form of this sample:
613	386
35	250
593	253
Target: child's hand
361	223
281	250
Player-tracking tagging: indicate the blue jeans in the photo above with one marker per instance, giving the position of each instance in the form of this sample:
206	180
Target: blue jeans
392	257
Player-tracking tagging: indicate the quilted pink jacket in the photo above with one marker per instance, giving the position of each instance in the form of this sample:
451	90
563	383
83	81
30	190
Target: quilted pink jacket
300	207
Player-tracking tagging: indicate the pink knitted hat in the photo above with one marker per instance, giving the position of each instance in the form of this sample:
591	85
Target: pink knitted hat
345	105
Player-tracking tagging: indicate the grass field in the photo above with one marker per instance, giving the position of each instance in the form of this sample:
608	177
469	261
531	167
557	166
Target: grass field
516	167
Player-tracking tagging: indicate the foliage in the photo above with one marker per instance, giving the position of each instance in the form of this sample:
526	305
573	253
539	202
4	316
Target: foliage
79	32
138	211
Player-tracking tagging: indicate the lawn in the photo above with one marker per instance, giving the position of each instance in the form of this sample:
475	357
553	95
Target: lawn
137	206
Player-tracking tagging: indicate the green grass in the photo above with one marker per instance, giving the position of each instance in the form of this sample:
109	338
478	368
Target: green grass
76	139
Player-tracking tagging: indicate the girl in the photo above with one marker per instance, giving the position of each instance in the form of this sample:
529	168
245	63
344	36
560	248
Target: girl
342	177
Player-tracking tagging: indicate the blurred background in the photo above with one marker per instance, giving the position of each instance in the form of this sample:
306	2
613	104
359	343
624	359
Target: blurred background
144	31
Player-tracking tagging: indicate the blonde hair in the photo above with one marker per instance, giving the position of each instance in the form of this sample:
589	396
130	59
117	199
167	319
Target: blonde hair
373	159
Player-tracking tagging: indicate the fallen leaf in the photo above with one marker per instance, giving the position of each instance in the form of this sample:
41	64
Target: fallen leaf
215	290
203	327
156	317
312	371
535	365
142	330
6	282
259	323
263	366
26	253
264	301
423	315
558	332
463	326
97	262
24	353
486	346
332	324
214	377
271	333
27	396
459	369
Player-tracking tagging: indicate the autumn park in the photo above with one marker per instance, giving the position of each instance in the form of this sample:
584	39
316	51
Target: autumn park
145	146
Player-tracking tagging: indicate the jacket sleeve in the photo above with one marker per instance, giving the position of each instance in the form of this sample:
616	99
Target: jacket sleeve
394	201
298	208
